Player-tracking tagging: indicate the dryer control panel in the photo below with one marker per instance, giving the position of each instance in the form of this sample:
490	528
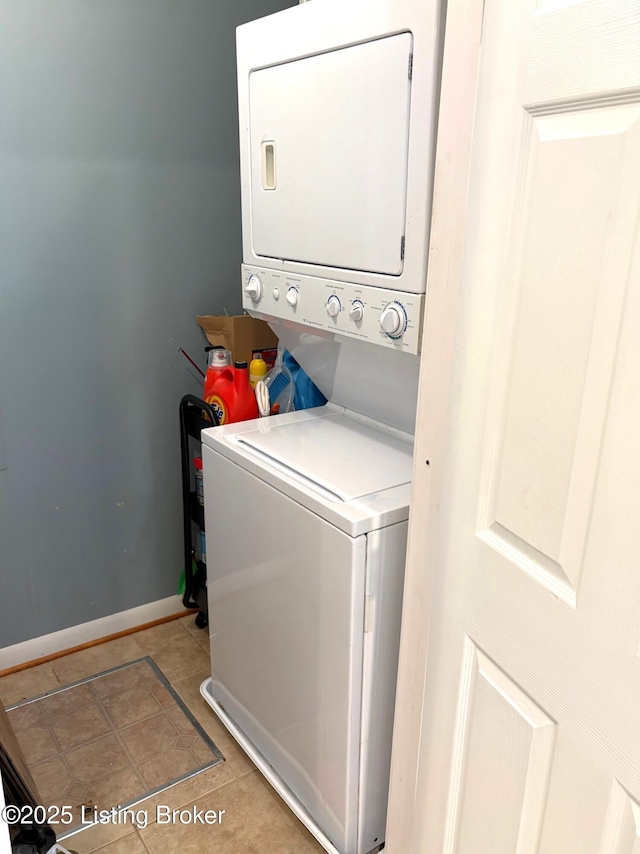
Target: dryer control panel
381	316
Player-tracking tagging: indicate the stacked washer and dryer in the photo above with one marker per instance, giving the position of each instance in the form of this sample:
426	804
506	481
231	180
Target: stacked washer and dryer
306	512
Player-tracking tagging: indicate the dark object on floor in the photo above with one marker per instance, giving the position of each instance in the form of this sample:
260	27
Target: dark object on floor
202	620
20	791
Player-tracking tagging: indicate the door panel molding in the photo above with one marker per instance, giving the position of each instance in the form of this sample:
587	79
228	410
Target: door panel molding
503	752
621	832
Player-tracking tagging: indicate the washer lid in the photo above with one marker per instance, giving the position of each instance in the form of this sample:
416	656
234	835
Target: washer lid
339	453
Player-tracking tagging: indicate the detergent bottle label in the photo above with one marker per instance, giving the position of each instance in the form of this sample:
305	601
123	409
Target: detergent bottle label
218	407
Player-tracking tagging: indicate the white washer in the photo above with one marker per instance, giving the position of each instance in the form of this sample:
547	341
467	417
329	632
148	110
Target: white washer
306	518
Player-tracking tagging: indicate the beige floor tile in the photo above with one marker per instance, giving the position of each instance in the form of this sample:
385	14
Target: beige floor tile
168	766
182	657
162	695
67	701
235	766
201	750
131	844
189	691
160	637
189	624
37	744
94	768
79	727
181	722
146	739
255	821
204	641
188	686
95	836
97	760
131	706
88	662
77	810
28	683
51	778
119	788
78	790
25	717
114	683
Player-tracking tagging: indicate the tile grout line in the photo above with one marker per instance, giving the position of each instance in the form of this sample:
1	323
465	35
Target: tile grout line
64	751
61	750
121	744
120	741
195	714
80	652
215	789
181	705
114	731
74	684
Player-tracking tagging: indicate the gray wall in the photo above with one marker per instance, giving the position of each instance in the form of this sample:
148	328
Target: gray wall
119	221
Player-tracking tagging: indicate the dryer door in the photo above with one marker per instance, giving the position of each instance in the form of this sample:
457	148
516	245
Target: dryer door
329	153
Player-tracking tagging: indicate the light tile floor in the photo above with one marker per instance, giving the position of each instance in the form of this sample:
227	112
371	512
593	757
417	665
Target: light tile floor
255	820
108	741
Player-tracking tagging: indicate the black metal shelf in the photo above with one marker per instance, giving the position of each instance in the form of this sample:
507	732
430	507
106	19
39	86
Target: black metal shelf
195	416
196	510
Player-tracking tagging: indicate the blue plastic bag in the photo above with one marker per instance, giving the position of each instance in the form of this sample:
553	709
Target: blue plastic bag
307	394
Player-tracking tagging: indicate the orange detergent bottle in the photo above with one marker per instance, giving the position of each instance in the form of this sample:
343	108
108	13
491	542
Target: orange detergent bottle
218	358
230	395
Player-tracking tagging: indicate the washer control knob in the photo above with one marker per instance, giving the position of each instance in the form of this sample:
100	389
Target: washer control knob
253	288
292	296
333	306
393	319
276	294
357	311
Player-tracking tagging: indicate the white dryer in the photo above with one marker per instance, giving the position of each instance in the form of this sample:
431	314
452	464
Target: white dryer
306	518
338	107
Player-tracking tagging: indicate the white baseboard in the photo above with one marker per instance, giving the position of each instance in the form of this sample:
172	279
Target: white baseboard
30	650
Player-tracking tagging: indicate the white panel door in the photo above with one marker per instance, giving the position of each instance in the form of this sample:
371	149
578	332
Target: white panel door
329	150
531	719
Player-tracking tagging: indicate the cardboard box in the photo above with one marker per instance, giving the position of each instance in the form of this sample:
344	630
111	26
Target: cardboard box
242	334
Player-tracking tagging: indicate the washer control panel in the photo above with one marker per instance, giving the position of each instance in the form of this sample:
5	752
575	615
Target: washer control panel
377	315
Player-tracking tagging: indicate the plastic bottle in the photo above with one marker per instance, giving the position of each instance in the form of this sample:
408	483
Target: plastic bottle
233	398
218	359
257	370
197	461
280	385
